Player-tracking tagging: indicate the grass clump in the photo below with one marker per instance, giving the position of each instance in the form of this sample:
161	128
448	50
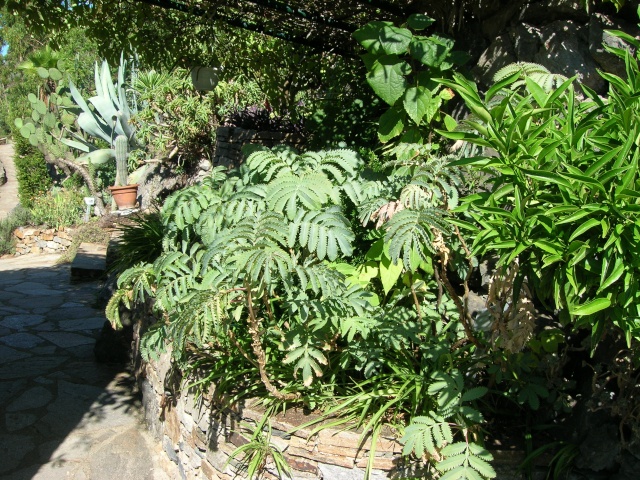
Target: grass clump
140	241
17	218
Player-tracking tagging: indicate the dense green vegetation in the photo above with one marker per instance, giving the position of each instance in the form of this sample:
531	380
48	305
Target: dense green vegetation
341	278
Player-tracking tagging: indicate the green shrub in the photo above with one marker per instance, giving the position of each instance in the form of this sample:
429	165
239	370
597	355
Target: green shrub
33	177
17	218
21	145
254	269
141	241
57	208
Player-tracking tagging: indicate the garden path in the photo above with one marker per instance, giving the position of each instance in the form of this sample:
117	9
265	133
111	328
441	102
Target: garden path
8	191
62	415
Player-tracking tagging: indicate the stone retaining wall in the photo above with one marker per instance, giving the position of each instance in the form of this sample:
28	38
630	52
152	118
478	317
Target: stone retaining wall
42	240
230	140
199	436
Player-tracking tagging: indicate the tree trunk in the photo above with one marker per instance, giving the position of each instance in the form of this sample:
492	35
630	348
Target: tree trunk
86	176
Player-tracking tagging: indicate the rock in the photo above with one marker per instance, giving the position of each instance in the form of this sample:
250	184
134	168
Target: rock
565	51
157	182
598	38
125	457
204	165
13	448
499	54
526	41
67	339
601	445
543	11
3	175
33	398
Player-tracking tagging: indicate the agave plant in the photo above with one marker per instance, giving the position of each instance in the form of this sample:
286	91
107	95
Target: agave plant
109	117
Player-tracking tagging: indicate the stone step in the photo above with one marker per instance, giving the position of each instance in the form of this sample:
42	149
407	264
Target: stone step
90	262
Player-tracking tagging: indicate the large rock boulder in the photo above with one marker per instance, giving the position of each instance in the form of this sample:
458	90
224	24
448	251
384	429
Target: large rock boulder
561	35
599	39
565	50
3	175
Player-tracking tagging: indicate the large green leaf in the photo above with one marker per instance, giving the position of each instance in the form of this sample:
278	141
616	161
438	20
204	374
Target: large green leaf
395	40
430	51
391	124
369	36
387	77
389	273
417	102
591	307
419	21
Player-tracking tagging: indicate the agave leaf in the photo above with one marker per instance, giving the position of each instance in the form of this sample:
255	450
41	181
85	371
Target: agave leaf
97	157
97	80
78	98
137	174
82	146
107	111
106	78
90	124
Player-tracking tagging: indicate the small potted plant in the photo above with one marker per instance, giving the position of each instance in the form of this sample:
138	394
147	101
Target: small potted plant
124	195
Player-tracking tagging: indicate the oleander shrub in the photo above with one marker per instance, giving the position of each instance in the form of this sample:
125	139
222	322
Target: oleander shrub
560	214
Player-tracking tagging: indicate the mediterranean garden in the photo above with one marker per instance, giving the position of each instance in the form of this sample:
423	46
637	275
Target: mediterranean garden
444	256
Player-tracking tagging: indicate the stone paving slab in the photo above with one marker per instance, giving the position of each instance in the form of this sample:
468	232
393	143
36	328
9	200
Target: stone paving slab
62	415
89	262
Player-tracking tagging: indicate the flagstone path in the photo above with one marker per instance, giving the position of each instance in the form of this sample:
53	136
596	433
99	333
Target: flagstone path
62	415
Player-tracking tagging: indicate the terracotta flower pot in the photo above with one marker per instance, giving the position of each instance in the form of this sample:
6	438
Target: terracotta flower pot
126	196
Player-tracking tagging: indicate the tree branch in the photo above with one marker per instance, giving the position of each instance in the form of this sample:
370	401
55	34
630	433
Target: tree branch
86	176
256	345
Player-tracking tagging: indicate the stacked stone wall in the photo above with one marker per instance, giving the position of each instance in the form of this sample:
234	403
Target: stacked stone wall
199	436
42	240
230	140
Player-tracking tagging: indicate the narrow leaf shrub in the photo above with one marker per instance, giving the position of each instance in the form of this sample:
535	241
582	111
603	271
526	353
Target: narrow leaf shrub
32	175
17	218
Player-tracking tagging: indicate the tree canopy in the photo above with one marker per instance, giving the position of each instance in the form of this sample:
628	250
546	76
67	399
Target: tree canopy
172	31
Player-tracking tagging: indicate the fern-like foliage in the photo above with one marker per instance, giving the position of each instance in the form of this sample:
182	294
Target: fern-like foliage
434	434
198	319
309	190
317	277
324	232
185	206
411	203
264	164
538	73
465	461
338	165
426	434
306	357
411	230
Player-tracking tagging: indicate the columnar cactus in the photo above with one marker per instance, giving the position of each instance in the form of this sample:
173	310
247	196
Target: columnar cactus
121	146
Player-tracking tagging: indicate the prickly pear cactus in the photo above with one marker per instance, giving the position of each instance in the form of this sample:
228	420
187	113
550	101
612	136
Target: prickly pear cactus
121	146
